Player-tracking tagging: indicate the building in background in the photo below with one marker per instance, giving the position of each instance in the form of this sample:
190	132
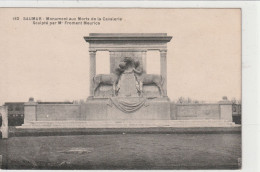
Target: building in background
15	113
236	113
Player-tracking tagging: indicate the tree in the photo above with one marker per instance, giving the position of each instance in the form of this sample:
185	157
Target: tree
224	98
180	100
234	100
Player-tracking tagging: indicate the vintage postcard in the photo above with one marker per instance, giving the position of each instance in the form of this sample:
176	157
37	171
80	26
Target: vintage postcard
120	88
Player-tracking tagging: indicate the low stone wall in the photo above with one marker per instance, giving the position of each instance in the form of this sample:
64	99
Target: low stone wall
99	109
57	112
195	111
51	112
157	109
220	110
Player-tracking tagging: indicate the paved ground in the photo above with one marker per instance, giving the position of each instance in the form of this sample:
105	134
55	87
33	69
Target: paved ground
123	151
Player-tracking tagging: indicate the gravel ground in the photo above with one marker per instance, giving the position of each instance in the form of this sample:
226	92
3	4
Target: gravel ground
123	151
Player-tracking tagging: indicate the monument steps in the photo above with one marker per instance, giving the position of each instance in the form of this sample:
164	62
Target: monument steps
129	124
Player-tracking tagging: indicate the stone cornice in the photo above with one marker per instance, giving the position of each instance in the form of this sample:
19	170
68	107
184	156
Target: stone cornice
128	37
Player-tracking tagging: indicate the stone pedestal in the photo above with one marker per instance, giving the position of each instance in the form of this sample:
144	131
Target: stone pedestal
163	59
226	110
30	111
92	71
102	109
135	46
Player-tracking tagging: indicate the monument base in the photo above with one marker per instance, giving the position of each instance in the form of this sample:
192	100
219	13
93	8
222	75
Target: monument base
129	124
104	109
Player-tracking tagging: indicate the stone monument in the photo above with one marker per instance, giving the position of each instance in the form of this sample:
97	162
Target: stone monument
128	92
127	96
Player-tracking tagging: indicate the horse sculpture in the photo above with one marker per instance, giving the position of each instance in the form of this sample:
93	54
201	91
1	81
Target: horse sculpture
106	79
147	79
142	78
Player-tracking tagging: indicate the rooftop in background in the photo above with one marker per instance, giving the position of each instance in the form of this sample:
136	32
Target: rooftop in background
13	103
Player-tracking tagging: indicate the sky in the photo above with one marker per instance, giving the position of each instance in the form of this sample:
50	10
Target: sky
51	63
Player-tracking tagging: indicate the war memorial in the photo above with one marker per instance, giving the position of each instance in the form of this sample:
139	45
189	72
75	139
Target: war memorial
128	97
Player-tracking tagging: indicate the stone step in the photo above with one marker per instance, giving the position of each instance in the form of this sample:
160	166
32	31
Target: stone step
123	124
130	121
128	124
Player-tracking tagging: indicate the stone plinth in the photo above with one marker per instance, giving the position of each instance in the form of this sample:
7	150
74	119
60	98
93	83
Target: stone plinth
30	111
101	109
225	110
106	91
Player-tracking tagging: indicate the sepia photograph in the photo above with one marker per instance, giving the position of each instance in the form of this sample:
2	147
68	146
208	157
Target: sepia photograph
121	88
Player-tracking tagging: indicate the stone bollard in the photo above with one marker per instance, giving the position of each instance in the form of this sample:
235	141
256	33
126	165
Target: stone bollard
4	128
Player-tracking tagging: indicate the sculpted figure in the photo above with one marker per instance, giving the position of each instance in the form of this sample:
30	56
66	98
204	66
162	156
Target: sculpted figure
128	79
148	79
128	85
107	79
112	79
